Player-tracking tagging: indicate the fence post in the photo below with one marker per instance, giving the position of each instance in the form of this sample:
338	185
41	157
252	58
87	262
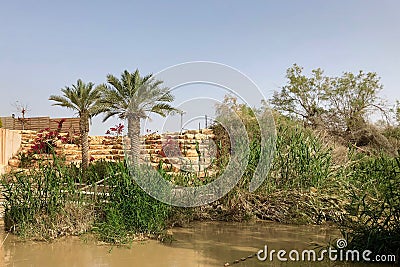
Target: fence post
95	192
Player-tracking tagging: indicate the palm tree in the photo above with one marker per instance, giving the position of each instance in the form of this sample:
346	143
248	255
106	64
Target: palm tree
85	100
133	98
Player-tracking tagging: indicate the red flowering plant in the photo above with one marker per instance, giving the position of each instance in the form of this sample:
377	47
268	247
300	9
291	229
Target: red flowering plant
117	130
46	139
44	143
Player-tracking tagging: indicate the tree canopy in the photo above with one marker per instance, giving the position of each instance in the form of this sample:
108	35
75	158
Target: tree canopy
340	104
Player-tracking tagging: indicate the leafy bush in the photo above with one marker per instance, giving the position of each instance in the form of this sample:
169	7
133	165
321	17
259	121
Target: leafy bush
96	171
393	135
222	139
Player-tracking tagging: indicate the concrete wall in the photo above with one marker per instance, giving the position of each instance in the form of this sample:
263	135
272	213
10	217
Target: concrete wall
10	143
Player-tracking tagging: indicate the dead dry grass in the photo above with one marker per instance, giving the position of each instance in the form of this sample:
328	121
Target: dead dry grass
73	219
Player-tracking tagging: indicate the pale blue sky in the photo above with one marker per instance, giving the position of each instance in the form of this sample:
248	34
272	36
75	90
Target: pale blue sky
46	45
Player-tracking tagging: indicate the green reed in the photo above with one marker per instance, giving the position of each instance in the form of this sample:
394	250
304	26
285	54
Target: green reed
373	223
301	159
41	191
42	202
128	210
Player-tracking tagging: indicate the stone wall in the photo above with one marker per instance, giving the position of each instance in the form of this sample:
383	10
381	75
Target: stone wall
190	151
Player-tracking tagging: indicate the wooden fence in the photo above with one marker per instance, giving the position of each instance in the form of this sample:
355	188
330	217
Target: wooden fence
70	125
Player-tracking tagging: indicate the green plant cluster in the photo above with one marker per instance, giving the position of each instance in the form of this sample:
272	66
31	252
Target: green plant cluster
31	195
360	193
373	184
57	199
129	210
301	161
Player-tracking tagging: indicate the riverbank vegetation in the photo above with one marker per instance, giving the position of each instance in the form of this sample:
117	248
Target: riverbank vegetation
332	165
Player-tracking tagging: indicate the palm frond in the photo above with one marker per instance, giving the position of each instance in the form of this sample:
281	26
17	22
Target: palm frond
163	109
109	114
62	101
81	97
135	95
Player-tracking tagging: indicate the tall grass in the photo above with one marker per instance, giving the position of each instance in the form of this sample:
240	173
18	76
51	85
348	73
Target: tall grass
301	161
39	196
374	209
128	210
49	201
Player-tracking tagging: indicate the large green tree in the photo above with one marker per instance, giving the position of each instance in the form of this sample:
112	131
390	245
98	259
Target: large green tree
302	97
83	98
133	98
341	104
352	98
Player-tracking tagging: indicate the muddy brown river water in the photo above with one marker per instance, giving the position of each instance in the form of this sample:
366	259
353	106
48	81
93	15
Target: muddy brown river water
202	244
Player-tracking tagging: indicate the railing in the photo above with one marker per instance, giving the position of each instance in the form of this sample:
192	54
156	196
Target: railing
85	190
92	191
2	200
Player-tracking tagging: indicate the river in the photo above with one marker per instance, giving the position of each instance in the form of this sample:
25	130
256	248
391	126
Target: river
202	244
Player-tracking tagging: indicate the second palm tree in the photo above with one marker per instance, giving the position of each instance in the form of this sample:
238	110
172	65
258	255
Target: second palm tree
133	98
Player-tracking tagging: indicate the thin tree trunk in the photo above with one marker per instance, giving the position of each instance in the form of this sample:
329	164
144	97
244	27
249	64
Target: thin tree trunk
84	131
134	136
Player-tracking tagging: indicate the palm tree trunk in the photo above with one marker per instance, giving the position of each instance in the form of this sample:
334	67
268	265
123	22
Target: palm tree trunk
84	131
134	136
